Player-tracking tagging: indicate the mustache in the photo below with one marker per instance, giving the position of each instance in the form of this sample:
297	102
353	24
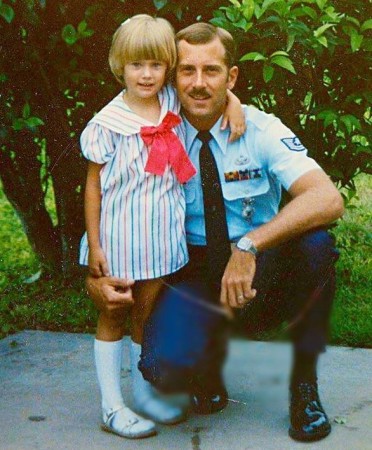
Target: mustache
203	92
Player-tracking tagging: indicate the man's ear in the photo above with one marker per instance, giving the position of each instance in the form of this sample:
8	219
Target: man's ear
233	76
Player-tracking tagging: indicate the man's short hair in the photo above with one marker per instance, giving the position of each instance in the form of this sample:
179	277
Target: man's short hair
203	33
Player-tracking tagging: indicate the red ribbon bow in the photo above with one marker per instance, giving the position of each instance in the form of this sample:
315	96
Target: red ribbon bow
167	148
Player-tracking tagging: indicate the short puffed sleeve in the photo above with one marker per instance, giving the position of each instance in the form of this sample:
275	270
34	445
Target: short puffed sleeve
97	143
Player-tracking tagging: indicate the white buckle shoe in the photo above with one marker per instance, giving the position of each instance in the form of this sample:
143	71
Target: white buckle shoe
135	427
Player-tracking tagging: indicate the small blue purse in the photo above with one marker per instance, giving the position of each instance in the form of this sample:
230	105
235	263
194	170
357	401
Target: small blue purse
184	338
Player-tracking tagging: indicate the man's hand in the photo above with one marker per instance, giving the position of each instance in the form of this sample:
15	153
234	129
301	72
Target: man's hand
236	286
109	293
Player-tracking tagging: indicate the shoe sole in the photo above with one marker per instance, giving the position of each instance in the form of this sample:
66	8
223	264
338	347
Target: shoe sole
138	436
305	437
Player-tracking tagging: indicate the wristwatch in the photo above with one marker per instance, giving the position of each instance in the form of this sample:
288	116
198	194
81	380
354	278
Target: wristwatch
246	245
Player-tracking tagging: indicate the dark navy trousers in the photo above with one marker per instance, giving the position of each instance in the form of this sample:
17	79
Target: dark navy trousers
295	282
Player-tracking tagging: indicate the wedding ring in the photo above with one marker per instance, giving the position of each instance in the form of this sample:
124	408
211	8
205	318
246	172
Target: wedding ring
240	297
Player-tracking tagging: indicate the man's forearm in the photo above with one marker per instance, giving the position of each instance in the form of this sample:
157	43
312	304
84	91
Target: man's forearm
312	206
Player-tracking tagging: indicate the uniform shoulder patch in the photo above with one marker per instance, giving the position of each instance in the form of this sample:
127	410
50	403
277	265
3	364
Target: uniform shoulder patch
293	143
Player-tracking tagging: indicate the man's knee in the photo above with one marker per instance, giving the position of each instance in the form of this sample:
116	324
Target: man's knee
317	251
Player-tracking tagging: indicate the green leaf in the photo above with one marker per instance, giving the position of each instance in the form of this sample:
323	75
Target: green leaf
6	12
353	20
178	12
354	121
267	72
328	115
350	121
34	122
310	12
319	31
267	3
329	120
87	33
283	62
248	9
290	41
26	111
159	4
232	13
82	27
304	10
235	3
253	56
323	40
243	24
19	124
367	25
218	22
69	34
279	52
356	41
321	3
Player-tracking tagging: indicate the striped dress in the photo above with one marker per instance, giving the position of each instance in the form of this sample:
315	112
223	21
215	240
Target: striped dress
142	219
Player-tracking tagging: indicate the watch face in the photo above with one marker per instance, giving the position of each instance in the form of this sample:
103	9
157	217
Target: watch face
246	245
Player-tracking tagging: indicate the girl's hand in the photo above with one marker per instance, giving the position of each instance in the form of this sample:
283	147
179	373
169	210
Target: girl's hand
234	117
97	263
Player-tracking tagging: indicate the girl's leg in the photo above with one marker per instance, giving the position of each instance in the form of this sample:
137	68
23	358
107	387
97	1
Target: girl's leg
108	352
146	399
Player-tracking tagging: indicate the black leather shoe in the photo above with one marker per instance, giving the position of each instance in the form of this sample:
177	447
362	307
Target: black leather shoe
208	400
309	422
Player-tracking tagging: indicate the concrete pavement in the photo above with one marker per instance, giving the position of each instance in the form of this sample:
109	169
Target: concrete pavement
49	399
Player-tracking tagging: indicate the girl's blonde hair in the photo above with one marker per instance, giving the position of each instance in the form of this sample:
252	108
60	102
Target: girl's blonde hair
142	37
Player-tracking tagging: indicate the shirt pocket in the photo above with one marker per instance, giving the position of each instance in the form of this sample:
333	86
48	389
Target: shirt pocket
245	188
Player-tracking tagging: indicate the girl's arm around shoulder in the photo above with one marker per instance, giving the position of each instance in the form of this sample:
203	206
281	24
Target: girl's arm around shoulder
234	117
92	206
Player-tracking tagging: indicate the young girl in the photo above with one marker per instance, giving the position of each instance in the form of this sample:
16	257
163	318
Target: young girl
135	209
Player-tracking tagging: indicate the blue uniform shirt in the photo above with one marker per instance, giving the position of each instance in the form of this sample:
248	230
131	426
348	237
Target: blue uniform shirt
252	171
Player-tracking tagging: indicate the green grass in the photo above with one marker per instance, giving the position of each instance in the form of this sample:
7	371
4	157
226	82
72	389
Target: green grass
62	305
352	313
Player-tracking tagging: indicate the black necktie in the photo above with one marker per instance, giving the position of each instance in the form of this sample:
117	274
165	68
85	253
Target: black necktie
217	236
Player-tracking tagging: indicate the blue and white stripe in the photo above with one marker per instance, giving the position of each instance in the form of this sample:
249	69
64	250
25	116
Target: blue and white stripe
142	215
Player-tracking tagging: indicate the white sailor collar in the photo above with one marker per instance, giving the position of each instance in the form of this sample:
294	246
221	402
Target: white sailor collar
220	137
118	117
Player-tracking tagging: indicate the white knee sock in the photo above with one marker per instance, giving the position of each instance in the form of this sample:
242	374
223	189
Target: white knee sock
108	359
108	356
145	397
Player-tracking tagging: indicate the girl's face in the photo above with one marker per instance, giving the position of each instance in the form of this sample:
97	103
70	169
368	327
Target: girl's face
144	78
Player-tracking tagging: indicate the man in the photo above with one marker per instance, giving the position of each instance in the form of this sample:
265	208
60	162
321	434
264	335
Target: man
276	257
279	268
